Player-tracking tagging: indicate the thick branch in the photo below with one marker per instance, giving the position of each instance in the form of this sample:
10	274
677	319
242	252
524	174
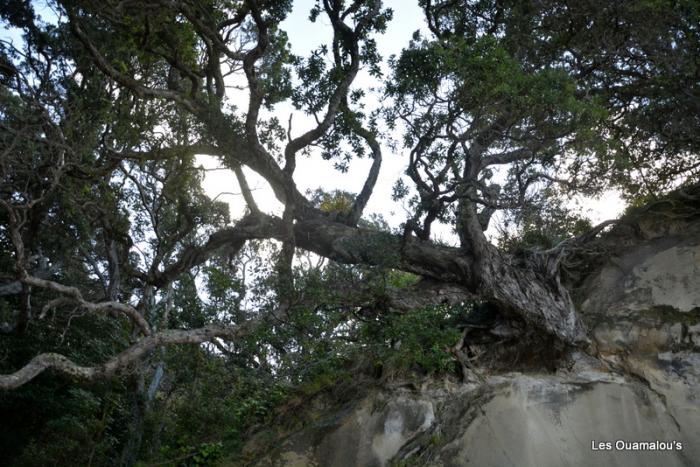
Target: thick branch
245	189
61	363
506	157
363	197
239	151
250	227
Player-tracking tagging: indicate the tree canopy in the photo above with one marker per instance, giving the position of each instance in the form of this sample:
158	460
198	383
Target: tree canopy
501	110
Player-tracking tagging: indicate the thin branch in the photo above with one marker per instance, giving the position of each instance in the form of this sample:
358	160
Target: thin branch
350	39
161	154
127	81
75	295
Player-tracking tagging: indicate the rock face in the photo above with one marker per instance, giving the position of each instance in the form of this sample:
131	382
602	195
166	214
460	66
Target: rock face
638	383
542	421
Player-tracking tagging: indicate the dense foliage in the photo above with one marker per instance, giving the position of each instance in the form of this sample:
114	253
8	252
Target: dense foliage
112	254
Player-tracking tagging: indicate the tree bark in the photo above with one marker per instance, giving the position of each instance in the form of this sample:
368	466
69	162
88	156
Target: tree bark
52	361
516	286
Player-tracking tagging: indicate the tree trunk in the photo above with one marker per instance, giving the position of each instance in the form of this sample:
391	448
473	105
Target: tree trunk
517	286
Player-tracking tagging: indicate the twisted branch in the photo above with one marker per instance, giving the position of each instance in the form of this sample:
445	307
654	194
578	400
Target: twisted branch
53	361
73	295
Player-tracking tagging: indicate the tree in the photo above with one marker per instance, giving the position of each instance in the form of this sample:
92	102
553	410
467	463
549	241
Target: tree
505	106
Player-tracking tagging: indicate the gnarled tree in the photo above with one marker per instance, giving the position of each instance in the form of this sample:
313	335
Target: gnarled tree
503	106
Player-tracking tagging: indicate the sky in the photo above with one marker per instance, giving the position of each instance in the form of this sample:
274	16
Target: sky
312	172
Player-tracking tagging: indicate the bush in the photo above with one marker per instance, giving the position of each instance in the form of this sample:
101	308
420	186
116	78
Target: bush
416	340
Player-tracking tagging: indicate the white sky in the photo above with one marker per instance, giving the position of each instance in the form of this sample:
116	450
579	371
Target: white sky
313	172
